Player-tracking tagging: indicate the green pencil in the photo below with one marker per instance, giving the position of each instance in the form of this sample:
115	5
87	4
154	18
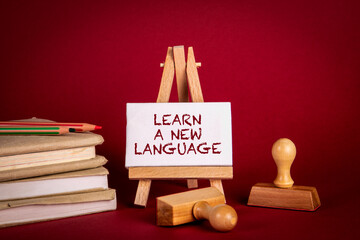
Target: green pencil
25	130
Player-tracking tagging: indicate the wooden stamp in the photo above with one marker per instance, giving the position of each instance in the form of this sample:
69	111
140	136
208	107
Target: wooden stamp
205	203
282	193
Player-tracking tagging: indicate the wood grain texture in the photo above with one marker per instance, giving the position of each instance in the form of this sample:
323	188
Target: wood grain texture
198	64
222	217
296	198
181	173
182	88
218	184
177	208
193	77
142	193
167	78
283	152
192	183
195	90
180	71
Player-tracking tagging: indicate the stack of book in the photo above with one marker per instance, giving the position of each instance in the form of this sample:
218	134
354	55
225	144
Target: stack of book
50	177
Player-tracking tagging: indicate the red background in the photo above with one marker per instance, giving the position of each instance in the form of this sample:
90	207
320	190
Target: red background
289	69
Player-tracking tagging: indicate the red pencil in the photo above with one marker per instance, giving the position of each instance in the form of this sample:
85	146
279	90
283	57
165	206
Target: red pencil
79	127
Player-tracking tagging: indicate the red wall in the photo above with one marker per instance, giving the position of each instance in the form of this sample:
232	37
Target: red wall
289	69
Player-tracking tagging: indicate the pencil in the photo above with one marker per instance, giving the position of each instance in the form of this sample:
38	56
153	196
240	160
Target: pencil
79	127
25	130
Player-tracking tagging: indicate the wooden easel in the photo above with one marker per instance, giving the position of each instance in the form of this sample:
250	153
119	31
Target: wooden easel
175	60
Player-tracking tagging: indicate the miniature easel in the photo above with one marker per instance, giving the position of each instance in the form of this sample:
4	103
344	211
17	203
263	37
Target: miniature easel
175	61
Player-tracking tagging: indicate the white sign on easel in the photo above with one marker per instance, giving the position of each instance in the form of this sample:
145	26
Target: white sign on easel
178	134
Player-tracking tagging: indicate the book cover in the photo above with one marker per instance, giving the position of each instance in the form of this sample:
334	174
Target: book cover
77	181
52	169
14	145
32	210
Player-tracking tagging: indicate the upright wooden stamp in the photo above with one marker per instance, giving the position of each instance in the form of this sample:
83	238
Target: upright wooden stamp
187	79
283	194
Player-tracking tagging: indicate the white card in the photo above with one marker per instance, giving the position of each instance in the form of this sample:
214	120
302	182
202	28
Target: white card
178	134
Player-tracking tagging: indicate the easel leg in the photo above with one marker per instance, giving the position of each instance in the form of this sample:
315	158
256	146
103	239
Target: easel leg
182	88
142	192
192	183
218	184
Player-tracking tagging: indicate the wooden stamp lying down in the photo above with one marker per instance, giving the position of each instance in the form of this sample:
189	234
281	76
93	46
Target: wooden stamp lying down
283	194
206	203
